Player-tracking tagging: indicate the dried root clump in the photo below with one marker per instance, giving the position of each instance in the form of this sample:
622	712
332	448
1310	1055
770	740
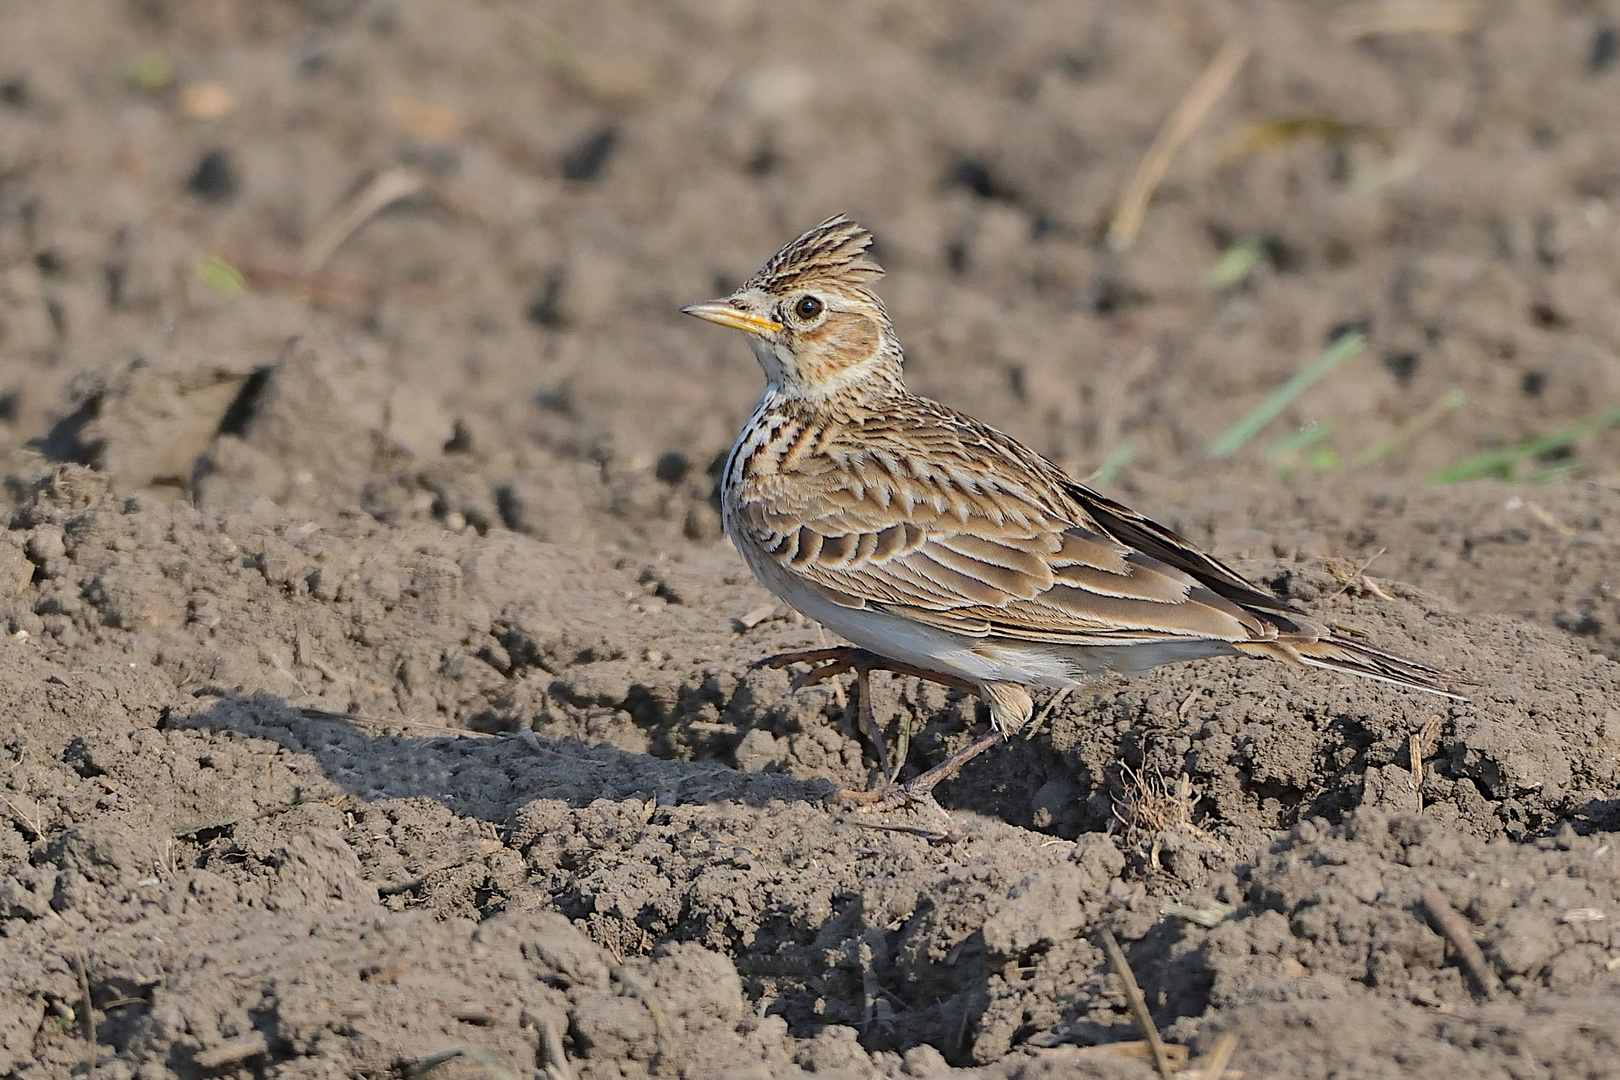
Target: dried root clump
1151	807
1353	579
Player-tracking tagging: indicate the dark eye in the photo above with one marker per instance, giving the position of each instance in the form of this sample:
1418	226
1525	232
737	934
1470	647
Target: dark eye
807	308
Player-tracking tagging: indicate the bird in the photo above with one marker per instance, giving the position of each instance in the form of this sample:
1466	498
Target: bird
943	548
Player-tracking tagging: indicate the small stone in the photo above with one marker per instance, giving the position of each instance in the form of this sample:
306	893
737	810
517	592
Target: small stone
214	180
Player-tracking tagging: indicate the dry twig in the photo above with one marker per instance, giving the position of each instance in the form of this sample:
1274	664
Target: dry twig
89	1018
1547	518
382	722
1357	577
933	836
1455	929
1214	1066
1177	128
1150	806
556	1061
1420	745
1047	709
35	825
233	1051
384	189
1450	18
1137	1003
1205	911
1132	1051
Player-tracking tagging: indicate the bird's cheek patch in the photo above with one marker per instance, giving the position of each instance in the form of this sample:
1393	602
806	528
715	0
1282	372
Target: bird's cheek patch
842	341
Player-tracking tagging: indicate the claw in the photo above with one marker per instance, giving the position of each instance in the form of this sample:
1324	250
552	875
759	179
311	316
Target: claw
817	675
804	656
893	797
920	789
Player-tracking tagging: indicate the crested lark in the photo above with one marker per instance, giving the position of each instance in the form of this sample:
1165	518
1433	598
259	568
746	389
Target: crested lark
946	549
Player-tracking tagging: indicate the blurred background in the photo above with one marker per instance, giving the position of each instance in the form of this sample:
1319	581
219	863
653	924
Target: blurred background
425	256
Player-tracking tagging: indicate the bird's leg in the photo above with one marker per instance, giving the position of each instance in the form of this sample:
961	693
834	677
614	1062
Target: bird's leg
863	689
920	788
826	663
1010	709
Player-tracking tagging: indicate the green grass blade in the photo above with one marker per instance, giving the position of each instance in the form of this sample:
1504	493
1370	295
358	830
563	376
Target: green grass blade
220	276
1504	462
1118	458
1338	351
149	71
1237	263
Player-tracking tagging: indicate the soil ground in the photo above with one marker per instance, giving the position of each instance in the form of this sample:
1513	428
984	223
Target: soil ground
381	699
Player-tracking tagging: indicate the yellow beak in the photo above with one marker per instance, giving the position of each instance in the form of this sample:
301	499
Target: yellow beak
719	311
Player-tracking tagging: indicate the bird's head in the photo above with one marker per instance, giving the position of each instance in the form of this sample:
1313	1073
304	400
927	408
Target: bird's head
815	327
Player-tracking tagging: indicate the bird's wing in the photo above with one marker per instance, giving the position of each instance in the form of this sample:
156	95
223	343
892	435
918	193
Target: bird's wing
976	538
1148	536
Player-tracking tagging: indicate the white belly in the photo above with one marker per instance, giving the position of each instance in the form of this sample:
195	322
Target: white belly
975	659
933	649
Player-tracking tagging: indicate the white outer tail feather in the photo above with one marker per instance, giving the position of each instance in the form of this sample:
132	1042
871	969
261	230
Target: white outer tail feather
1353	658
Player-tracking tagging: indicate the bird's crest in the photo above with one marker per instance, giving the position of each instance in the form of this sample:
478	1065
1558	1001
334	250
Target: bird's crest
834	249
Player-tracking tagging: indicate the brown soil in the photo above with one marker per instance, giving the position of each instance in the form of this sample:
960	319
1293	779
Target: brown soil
380	681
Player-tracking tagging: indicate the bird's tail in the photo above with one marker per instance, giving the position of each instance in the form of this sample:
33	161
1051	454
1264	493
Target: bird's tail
1343	654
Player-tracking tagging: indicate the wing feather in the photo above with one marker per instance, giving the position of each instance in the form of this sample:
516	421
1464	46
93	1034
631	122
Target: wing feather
1146	579
806	547
956	526
965	586
1018	573
1173	549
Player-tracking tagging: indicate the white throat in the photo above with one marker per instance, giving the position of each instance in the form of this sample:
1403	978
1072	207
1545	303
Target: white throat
781	374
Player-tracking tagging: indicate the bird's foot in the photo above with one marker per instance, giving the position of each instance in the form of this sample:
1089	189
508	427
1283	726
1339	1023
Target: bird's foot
919	790
892	797
895	796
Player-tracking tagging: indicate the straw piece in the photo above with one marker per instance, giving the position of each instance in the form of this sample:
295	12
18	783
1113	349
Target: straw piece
1214	1066
1137	1003
385	188
1177	127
